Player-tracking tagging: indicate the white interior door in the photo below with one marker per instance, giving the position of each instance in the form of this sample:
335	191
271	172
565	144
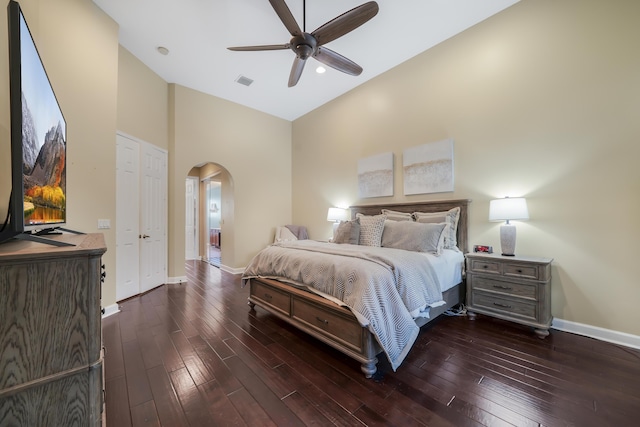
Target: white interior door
191	218
127	218
141	217
153	208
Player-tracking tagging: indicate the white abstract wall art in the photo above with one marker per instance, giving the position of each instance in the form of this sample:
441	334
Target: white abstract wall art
428	168
375	176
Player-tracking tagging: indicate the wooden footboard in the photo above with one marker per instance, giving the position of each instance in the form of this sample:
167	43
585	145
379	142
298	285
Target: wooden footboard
327	321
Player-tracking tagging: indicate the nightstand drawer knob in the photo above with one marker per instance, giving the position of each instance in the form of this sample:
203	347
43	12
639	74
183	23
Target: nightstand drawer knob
519	271
506	288
502	305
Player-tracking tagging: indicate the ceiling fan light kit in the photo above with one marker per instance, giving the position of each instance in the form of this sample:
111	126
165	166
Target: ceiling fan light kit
306	45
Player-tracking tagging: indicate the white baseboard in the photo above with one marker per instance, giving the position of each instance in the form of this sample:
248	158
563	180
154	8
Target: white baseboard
602	334
112	309
175	280
232	270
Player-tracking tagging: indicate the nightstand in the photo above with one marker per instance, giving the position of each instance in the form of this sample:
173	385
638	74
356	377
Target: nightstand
511	288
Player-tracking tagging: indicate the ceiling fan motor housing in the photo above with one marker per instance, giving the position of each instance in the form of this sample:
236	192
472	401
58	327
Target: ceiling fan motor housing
304	46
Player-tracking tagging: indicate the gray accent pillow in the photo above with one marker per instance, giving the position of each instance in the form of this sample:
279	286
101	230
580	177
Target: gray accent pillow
347	232
451	217
414	236
371	227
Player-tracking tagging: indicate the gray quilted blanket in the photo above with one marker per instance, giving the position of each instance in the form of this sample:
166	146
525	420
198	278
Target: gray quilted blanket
385	288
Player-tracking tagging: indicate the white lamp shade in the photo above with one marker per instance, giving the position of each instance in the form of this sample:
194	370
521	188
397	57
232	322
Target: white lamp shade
508	208
337	215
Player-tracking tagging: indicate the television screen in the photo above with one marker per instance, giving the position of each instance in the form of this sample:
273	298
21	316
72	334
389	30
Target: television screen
43	141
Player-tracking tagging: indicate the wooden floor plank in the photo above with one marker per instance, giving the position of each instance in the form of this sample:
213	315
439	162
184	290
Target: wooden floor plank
194	354
145	415
136	374
222	410
117	403
170	412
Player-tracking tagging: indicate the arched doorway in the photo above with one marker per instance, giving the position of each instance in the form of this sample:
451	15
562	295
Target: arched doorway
209	213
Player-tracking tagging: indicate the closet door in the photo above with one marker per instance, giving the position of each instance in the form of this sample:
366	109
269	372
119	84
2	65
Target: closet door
141	217
153	214
127	218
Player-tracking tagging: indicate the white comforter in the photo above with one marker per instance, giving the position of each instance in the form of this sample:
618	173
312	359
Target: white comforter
384	288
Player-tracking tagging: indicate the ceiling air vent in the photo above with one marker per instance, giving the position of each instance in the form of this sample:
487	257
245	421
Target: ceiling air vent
244	80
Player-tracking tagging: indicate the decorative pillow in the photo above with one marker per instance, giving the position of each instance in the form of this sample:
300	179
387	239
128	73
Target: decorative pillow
283	234
371	227
451	217
414	236
347	232
397	216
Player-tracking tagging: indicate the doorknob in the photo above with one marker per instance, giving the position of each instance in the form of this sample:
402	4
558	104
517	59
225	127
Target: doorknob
143	236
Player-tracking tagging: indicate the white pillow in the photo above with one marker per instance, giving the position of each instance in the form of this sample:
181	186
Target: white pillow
397	216
283	234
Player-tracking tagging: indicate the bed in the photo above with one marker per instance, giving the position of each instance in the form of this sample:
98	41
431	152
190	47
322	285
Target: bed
316	286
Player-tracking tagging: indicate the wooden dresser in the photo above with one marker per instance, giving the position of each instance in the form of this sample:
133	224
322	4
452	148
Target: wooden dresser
511	288
50	332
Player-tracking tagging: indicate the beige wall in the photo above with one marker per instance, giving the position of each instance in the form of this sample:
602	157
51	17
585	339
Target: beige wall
542	101
79	47
143	101
254	147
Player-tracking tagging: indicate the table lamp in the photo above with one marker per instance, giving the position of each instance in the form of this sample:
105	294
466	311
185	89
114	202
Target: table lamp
505	210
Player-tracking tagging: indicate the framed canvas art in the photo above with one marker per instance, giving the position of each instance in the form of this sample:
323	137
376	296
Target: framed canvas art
428	168
375	176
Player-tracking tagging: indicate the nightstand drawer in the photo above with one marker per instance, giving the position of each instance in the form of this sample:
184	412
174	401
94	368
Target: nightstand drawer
520	270
504	305
485	266
521	290
275	298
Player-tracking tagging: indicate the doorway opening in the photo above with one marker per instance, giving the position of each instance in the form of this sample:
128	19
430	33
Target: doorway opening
209	213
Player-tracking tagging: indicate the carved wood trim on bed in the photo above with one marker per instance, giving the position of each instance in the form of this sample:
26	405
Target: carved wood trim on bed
336	325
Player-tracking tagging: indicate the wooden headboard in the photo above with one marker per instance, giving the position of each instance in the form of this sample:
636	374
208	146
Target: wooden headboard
430	206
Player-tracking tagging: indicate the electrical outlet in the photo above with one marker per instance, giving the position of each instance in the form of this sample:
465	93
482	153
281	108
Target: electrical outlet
104	224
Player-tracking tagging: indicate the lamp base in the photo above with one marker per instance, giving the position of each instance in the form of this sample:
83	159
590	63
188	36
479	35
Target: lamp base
508	239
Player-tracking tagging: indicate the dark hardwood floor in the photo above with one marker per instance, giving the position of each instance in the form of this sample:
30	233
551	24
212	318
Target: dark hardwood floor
194	354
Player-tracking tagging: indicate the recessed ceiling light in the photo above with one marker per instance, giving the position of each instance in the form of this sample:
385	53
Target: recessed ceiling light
320	69
163	50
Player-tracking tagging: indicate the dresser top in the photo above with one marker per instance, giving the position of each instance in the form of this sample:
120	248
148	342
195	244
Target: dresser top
516	258
84	244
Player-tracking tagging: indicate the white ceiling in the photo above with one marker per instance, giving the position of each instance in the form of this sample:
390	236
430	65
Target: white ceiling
198	32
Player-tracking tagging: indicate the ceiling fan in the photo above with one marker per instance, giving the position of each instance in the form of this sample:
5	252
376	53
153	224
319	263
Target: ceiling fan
306	45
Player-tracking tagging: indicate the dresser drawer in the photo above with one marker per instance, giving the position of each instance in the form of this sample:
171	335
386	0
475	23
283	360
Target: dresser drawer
278	300
338	324
521	270
484	266
508	306
490	284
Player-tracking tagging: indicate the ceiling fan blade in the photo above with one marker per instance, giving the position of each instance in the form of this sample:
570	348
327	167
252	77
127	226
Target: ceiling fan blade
337	61
285	15
261	47
296	71
345	23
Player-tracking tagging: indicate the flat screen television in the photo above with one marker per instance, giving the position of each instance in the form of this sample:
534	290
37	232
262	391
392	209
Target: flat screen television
38	204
